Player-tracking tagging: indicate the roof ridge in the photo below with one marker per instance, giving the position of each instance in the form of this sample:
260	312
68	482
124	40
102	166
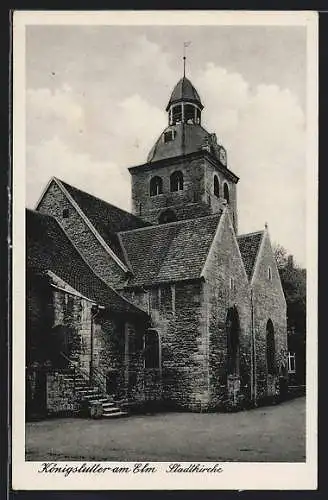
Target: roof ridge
93	271
177	222
100	199
250	234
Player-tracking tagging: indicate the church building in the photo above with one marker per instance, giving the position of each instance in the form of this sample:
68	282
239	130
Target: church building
165	307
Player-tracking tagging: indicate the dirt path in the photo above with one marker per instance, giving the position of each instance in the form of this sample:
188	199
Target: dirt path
269	434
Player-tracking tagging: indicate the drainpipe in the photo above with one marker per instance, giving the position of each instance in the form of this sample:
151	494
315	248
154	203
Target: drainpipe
253	354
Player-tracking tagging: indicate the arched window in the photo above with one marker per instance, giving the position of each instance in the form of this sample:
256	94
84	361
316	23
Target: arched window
270	349
176	181
216	186
232	329
176	114
152	353
167	216
156	186
189	113
226	192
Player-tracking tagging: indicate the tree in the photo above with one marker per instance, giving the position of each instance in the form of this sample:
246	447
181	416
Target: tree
293	280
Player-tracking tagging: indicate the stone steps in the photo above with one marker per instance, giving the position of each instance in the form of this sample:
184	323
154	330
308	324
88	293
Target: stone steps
100	405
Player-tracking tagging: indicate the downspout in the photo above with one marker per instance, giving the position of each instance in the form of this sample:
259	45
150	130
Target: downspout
253	355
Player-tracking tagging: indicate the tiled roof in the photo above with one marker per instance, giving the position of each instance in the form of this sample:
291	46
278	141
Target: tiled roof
169	252
49	249
106	218
249	245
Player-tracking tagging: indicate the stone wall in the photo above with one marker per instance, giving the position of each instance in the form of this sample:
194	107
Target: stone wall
177	316
60	394
215	202
53	203
197	198
225	286
149	207
268	303
118	362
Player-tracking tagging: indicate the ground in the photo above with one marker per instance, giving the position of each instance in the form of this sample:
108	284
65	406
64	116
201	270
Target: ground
267	434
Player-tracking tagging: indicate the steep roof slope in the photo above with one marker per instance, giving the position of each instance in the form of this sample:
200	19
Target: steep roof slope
169	252
184	91
48	248
106	218
249	245
188	138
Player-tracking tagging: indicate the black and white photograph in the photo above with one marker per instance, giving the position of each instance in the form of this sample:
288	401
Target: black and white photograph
164	250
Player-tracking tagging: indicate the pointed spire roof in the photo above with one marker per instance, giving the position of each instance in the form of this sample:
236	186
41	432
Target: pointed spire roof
184	91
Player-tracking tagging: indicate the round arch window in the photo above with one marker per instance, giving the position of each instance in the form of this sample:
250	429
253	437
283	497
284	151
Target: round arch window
226	193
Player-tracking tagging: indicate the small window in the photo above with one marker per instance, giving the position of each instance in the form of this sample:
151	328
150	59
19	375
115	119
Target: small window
226	192
176	181
216	186
198	116
232	284
156	186
152	349
269	273
167	216
169	135
291	362
155	298
65	213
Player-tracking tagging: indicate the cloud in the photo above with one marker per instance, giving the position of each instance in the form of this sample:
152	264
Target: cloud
88	137
53	157
263	130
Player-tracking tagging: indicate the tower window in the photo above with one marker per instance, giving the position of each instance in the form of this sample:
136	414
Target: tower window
169	135
176	181
189	113
152	349
156	186
216	186
65	213
198	116
176	114
226	192
270	349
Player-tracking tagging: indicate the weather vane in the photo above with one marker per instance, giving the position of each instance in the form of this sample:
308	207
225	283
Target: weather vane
185	44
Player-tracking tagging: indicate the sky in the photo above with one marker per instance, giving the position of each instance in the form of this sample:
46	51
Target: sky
96	98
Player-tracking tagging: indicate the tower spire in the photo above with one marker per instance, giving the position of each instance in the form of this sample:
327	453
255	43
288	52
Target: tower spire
185	44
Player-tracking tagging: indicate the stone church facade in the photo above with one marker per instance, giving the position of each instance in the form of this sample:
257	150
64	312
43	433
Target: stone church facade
168	306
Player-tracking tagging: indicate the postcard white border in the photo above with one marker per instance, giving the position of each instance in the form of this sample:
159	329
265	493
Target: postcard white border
240	476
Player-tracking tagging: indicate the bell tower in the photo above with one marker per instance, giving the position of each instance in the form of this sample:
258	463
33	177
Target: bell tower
186	175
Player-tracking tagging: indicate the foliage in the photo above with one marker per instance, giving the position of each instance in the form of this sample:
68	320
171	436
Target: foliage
293	280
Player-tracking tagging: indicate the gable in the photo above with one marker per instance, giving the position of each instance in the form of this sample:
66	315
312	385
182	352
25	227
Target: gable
169	252
224	255
249	245
49	249
107	219
265	260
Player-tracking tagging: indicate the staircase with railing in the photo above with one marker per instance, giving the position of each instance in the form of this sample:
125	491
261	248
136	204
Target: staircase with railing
94	402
